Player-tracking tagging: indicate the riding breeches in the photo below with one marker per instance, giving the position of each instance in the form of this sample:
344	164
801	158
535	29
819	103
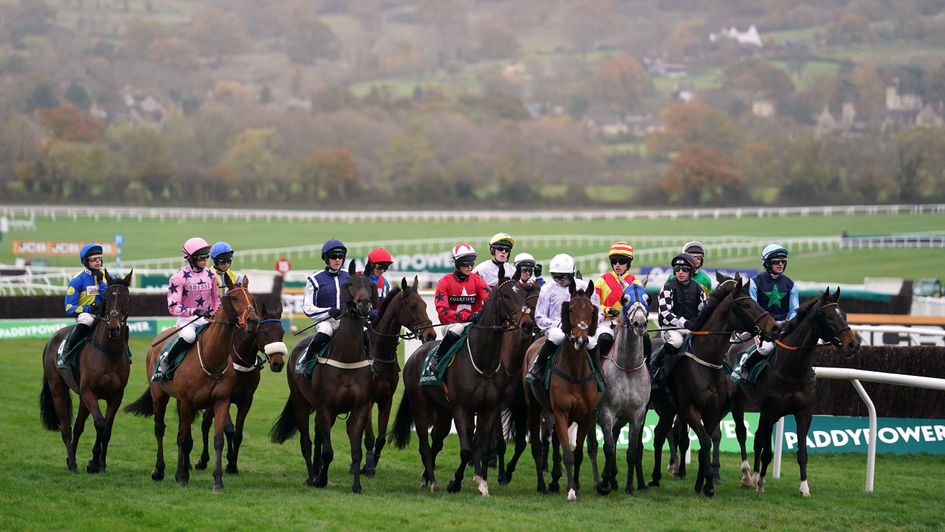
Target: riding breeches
455	328
85	319
189	331
675	338
765	348
556	336
328	326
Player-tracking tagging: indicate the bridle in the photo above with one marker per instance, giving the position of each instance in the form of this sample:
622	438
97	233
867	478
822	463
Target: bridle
239	321
513	317
352	305
823	330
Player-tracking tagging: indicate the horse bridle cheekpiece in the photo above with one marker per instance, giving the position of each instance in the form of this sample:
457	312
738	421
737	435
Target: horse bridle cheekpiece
824	329
240	321
750	324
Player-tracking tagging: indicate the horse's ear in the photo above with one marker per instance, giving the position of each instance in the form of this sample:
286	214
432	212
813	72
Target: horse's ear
353	268
403	283
719	277
416	282
738	276
644	281
369	268
566	318
227	282
825	295
127	280
277	310
263	309
517	276
593	329
245	282
589	290
836	296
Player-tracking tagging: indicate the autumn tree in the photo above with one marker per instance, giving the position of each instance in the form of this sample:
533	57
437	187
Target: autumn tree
66	122
217	33
702	175
586	22
254	154
693	123
328	174
759	78
619	83
140	33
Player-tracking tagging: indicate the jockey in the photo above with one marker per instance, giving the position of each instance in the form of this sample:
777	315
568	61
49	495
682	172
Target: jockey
500	246
610	289
774	292
680	301
192	293
548	313
380	260
323	296
221	254
525	265
85	293
459	296
697	250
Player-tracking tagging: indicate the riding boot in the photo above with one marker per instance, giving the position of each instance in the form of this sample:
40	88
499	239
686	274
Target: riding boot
743	370
604	343
367	346
536	373
317	344
444	346
165	361
666	360
79	333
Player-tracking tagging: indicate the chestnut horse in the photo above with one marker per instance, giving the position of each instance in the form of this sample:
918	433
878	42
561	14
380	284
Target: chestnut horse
471	391
339	384
203	380
787	385
102	373
699	389
402	307
572	393
268	341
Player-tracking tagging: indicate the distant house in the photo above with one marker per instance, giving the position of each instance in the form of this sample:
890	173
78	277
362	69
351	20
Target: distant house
606	124
896	101
929	116
685	91
659	68
846	126
516	74
749	37
144	108
763	108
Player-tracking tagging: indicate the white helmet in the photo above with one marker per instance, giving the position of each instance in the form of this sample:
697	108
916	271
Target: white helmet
561	263
463	252
523	257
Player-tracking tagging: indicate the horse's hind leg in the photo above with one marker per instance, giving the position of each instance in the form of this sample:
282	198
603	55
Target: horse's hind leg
79	427
159	407
62	403
555	445
236	439
185	441
370	442
356	423
464	427
716	459
681	435
663	427
802	419
324	421
205	424
592	456
741	434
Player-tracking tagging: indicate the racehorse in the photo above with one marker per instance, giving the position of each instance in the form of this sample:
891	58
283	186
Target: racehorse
514	345
698	386
627	394
201	381
402	307
573	395
103	367
787	385
471	392
338	384
267	340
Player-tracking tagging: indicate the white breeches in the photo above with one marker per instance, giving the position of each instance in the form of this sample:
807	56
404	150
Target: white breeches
556	336
189	333
328	326
455	328
675	338
85	319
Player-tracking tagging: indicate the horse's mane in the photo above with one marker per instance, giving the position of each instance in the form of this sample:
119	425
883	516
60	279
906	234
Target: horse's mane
387	299
723	289
802	312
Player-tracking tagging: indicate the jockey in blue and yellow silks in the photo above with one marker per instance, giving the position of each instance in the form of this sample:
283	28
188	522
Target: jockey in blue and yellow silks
221	254
84	297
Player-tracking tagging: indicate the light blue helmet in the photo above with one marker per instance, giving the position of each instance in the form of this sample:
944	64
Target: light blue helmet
772	251
219	248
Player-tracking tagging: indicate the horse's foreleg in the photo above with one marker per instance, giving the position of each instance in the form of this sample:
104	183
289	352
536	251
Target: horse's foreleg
221	414
763	452
111	410
236	439
662	429
205	424
464	427
79	427
534	435
607	422
635	451
159	408
741	434
185	441
592	456
703	427
356	425
555	446
369	441
561	431
584	426
802	419
90	401
324	421
442	424
383	418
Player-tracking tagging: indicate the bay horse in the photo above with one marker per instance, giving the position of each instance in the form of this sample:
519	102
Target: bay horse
471	392
339	384
698	386
266	340
788	385
102	374
572	395
402	307
203	380
627	395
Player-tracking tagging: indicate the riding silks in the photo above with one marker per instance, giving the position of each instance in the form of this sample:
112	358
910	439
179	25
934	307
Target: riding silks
550	368
178	358
436	378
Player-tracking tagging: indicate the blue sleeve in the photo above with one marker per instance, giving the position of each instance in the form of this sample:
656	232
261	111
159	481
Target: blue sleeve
100	297
753	289
793	303
72	297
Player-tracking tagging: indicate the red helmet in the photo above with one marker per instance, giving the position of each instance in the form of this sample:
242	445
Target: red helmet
379	255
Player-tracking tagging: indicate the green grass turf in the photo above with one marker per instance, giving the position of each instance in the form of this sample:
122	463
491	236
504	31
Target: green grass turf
38	492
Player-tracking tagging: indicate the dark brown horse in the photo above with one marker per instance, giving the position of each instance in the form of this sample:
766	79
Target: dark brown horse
203	380
572	395
402	307
699	389
101	374
339	384
787	385
471	393
266	340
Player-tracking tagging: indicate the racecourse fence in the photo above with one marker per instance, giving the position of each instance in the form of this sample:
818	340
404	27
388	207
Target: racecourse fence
194	213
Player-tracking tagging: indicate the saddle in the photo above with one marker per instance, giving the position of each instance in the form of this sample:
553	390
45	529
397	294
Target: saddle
66	360
436	378
304	366
749	380
178	353
550	369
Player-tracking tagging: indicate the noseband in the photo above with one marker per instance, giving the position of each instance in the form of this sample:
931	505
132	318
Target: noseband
750	324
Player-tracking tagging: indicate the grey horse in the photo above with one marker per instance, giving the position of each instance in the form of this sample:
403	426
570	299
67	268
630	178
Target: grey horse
627	394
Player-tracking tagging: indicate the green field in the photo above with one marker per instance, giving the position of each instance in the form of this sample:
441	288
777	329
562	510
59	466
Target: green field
155	239
38	493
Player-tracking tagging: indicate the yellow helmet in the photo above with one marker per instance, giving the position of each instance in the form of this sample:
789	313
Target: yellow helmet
621	248
502	239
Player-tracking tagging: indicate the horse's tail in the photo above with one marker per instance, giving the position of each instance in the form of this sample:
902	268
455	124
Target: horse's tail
400	432
285	426
144	406
47	408
515	415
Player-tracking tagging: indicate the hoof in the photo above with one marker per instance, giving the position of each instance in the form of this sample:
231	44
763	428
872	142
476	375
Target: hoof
368	472
629	490
476	479
424	480
157	475
654	484
321	482
716	479
201	464
603	488
553	487
310	482
680	476
357	489
453	486
218	487
92	468
760	485
182	480
231	469
484	488
434	488
572	495
708	492
804	489
504	480
541	488
671	469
